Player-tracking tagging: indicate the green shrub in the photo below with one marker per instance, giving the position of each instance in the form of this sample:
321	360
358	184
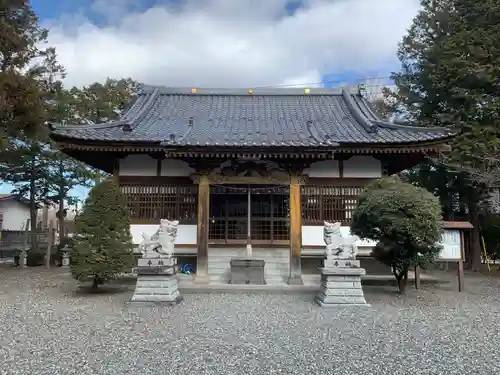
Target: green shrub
490	230
405	220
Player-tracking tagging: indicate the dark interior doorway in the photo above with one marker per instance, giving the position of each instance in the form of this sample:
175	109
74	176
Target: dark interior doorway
268	206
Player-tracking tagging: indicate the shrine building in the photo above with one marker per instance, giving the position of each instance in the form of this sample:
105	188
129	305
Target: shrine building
259	169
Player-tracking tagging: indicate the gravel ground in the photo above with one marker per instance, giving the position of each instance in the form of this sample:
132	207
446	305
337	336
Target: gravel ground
48	328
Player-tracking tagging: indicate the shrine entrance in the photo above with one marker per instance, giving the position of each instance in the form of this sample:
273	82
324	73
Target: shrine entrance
249	214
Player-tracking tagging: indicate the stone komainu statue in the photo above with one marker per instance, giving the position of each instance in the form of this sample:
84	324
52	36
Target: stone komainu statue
162	242
337	246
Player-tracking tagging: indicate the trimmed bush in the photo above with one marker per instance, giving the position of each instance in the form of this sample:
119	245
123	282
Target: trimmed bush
405	220
101	247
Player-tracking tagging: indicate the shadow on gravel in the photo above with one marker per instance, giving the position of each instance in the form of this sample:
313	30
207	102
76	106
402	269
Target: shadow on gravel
87	290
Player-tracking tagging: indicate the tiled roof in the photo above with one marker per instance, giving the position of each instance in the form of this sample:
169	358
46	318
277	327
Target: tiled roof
277	117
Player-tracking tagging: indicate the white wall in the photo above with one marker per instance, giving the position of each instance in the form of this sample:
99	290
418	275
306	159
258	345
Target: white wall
312	235
175	168
362	167
358	166
323	169
186	234
14	215
145	165
138	165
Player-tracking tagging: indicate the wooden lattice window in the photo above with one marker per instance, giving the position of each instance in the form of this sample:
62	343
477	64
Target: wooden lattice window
269	215
331	203
161	201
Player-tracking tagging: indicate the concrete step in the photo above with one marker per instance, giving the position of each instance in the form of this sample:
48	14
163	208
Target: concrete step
266	258
266	265
255	253
270	270
267	261
220	271
269	280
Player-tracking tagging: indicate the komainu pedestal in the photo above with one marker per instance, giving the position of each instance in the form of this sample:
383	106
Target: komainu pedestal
341	284
157	269
157	281
341	273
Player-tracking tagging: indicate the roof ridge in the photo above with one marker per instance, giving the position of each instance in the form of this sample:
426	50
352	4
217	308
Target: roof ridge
111	124
142	112
396	125
416	128
358	113
366	108
125	119
262	91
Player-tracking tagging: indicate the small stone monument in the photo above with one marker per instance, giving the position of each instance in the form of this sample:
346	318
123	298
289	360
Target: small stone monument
341	274
157	269
23	257
65	256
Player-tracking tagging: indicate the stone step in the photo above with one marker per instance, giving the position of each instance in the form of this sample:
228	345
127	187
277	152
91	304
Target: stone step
269	266
276	266
217	272
227	259
254	255
267	261
276	280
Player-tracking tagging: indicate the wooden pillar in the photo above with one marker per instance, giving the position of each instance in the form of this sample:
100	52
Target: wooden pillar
460	270
417	277
202	232
50	242
295	277
116	170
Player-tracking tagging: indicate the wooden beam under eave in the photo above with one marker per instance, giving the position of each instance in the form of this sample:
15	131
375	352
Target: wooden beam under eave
295	277
202	229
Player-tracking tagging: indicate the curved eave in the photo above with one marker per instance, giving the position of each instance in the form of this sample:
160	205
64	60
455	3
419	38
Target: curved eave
138	109
142	147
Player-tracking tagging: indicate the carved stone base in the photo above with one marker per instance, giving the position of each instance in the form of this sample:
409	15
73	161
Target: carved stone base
341	286
157	281
342	263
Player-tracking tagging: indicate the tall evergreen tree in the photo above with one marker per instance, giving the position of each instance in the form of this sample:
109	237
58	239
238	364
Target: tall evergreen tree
26	165
450	76
102	102
102	244
24	68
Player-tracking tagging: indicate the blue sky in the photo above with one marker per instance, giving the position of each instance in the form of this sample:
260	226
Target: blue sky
218	43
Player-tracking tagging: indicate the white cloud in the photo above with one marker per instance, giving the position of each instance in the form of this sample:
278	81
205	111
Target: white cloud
222	43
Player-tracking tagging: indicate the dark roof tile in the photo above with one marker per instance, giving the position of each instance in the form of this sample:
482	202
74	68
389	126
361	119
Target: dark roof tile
278	117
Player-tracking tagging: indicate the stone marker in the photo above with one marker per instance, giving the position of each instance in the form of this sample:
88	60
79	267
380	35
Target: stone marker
65	257
157	269
341	273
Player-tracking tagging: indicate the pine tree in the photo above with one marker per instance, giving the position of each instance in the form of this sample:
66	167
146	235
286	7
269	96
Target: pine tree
26	166
102	244
24	70
450	77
